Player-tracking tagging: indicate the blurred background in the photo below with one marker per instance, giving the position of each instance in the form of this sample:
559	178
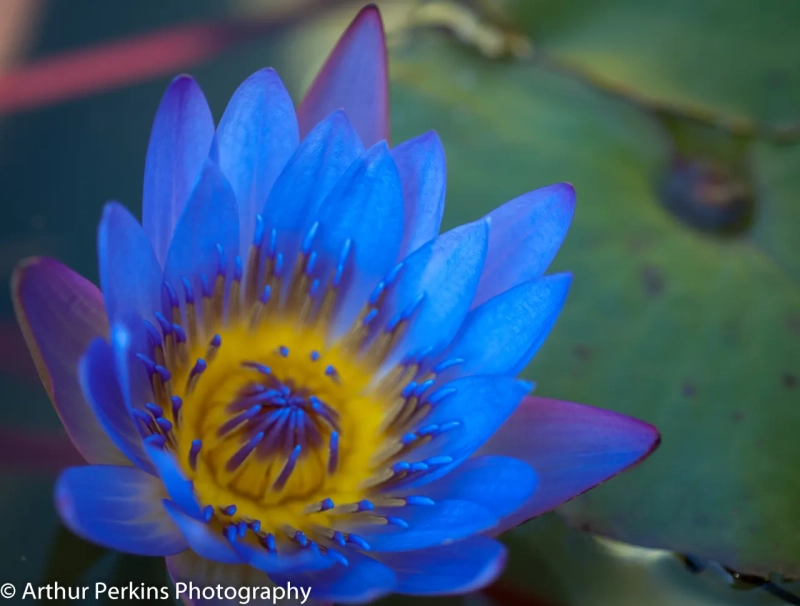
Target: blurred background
678	121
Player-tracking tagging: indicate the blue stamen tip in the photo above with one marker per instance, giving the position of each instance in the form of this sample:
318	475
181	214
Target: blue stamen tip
424	501
155	409
188	290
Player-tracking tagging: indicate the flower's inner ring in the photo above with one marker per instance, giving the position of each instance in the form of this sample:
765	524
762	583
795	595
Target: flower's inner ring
282	435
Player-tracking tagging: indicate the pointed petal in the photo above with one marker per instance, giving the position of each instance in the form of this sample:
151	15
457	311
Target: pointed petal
316	166
60	313
502	335
480	405
119	508
500	484
188	568
363	580
179	144
425	526
354	78
209	221
421	164
98	379
256	137
128	337
571	447
366	208
440	279
201	539
525	236
130	275
179	488
458	568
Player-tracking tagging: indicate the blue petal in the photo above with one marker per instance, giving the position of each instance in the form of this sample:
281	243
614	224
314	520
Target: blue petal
288	558
256	137
317	165
201	539
502	335
447	520
130	275
422	169
180	490
117	507
461	567
366	208
188	568
526	234
128	338
480	405
100	386
179	143
210	220
500	484
446	272
355	78
362	580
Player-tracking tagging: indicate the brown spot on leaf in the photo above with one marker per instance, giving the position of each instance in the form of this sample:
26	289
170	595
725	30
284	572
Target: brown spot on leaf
789	380
583	353
688	389
653	281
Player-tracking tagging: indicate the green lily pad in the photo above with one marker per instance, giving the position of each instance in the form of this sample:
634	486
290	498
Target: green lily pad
696	334
728	60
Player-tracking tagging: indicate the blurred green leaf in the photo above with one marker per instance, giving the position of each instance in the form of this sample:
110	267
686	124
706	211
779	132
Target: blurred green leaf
777	175
730	60
569	568
697	334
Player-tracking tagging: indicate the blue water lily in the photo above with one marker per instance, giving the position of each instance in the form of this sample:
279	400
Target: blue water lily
289	375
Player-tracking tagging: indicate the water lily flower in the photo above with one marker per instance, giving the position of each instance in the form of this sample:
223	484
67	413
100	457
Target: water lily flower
289	375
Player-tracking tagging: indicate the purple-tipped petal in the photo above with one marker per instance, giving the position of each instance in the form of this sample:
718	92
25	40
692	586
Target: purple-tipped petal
256	137
422	169
363	580
119	508
99	381
130	274
60	313
525	237
354	78
571	447
202	539
458	568
179	143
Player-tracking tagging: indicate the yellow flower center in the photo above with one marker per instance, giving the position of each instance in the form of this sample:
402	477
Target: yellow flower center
281	432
